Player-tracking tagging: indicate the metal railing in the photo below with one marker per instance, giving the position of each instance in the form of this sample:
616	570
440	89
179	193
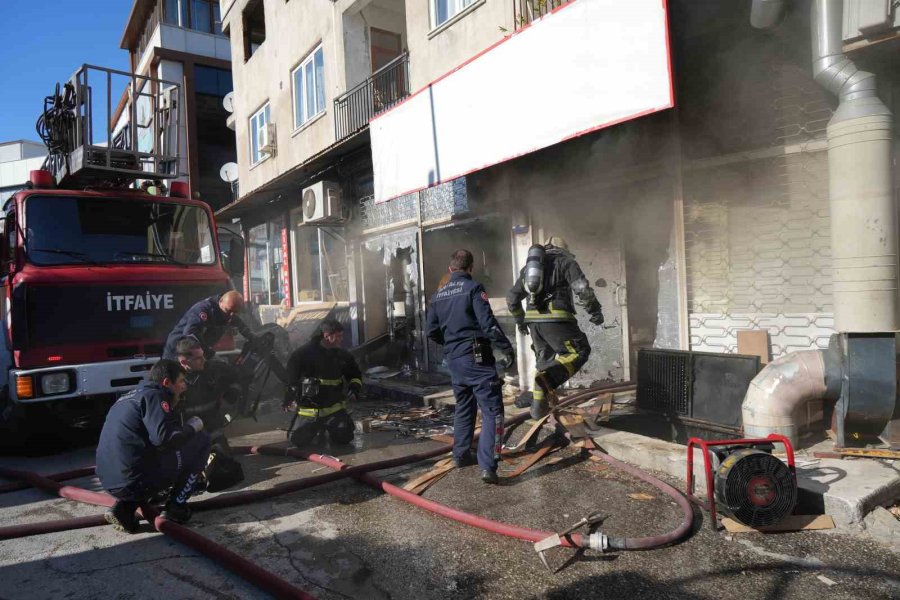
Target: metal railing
383	89
526	11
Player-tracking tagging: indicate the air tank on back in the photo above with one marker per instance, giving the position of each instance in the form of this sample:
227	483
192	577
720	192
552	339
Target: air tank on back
534	272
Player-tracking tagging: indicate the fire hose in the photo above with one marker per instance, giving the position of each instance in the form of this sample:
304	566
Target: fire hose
596	541
280	588
254	574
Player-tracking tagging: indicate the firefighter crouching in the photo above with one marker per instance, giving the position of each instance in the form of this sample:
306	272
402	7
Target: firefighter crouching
212	391
549	279
319	370
208	320
144	449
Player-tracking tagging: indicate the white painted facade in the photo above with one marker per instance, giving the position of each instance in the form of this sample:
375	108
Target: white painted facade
16	160
481	114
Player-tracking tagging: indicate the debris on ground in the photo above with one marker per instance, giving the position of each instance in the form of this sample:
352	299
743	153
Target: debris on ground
407	421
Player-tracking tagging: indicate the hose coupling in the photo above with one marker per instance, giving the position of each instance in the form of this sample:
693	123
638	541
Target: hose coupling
598	541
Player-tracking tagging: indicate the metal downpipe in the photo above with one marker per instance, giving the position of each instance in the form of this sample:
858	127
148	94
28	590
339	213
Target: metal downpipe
766	13
863	214
863	232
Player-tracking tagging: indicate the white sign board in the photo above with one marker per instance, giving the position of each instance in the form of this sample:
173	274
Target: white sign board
588	65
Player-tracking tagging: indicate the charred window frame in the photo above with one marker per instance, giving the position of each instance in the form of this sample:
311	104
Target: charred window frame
254	18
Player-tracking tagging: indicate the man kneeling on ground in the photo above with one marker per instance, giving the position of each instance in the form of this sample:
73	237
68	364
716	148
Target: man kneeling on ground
144	449
318	371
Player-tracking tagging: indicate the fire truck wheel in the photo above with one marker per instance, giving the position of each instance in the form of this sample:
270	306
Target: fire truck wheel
13	424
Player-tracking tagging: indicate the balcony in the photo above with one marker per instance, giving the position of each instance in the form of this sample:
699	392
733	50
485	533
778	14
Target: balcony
529	10
383	89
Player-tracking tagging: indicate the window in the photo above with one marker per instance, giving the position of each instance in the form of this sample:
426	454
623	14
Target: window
199	15
66	230
176	12
309	87
254	27
319	262
265	259
212	81
444	10
259	135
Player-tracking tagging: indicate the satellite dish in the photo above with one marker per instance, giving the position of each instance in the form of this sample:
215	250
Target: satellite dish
309	204
228	102
229	172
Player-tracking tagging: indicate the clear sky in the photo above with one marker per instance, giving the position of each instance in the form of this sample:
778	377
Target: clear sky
43	42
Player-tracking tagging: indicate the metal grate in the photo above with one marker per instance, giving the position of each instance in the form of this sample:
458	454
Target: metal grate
664	381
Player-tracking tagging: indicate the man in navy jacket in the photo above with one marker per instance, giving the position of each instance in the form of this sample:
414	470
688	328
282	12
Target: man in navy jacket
461	320
144	449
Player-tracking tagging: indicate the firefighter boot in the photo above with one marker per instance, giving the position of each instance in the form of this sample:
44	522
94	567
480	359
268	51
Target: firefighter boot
121	516
177	512
539	404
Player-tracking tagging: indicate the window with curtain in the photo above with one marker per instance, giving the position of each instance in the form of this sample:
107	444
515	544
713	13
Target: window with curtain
309	87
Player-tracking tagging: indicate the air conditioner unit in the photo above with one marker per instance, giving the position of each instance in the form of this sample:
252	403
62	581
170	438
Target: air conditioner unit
265	139
321	202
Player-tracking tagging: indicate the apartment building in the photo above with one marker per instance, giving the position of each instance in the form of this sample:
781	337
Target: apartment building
680	151
181	41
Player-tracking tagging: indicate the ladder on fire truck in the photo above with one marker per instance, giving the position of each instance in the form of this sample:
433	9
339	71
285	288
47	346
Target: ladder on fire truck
93	142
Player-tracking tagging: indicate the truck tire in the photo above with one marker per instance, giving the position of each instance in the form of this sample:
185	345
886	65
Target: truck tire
14	428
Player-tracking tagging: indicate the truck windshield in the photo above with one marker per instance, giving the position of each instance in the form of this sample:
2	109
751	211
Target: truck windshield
63	230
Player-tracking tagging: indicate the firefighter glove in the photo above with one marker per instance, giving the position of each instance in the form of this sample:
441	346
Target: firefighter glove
195	423
523	328
508	359
597	318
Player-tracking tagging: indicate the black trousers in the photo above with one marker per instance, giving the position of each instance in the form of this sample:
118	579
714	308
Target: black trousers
560	350
178	469
339	426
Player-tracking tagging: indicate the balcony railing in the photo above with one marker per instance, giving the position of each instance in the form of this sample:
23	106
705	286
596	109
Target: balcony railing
527	11
383	89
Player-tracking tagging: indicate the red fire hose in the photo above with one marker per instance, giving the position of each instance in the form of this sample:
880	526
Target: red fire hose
256	575
280	588
75	474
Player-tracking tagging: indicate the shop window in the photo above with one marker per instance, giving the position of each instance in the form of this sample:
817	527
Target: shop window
266	261
319	263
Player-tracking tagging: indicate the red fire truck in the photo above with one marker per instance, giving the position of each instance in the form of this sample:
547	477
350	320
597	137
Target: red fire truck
96	263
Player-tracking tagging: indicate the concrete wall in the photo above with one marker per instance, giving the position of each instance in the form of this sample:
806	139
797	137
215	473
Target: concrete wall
434	52
757	226
293	30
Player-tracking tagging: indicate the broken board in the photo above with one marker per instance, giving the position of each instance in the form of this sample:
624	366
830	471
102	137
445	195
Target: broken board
790	523
755	343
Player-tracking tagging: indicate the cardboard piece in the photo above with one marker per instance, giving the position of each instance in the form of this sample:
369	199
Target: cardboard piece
789	523
755	343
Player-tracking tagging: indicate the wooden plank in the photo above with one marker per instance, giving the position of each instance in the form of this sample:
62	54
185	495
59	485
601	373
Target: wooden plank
754	342
790	523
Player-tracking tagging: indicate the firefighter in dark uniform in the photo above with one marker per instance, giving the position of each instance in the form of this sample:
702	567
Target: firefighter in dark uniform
318	372
208	321
461	320
144	449
549	279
